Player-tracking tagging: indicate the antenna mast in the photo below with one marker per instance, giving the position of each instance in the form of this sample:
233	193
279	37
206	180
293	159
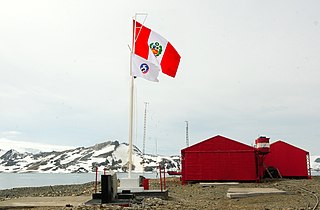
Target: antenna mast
144	131
187	134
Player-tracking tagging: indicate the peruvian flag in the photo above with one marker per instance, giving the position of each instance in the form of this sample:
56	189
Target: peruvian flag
150	45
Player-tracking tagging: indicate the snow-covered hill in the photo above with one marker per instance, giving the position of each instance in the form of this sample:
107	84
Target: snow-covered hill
109	154
315	163
26	157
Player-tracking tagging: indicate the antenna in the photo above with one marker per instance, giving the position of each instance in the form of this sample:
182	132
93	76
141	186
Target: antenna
156	140
187	133
144	131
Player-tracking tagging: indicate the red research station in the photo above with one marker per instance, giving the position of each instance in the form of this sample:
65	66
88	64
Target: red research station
223	159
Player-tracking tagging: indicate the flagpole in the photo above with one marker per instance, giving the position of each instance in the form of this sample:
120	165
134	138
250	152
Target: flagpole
131	116
146	63
131	105
130	125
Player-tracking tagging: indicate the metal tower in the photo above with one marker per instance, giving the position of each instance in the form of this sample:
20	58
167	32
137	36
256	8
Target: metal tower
144	131
187	134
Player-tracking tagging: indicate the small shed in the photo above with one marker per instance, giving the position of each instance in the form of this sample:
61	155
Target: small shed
218	159
291	161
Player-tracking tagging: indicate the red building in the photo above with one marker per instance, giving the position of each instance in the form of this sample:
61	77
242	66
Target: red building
219	159
291	161
223	159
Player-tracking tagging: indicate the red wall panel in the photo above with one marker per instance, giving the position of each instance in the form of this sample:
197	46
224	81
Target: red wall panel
219	158
290	160
219	166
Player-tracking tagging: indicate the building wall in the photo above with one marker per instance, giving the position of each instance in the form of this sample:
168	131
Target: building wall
223	159
219	159
290	160
223	166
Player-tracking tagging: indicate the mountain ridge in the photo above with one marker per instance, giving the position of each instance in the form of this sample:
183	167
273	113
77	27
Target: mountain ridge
109	154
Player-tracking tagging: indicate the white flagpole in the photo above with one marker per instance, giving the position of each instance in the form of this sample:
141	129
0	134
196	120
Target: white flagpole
132	95
131	104
130	124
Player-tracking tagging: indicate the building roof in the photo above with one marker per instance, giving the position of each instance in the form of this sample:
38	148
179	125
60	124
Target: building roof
281	143
218	143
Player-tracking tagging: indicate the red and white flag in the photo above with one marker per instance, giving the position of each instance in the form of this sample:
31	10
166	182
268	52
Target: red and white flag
150	45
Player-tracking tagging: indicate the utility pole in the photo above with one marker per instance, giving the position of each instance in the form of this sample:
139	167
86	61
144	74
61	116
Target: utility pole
187	133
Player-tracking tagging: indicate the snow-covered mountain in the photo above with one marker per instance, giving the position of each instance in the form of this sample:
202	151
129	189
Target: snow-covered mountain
25	157
2	152
315	163
110	154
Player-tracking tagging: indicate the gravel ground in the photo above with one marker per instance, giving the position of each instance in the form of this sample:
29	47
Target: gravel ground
48	191
300	195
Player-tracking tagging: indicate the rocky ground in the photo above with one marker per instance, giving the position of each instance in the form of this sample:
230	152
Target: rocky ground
301	194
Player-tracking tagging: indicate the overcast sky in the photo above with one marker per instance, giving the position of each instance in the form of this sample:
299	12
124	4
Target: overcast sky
248	68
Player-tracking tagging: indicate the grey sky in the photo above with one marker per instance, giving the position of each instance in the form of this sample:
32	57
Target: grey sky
248	68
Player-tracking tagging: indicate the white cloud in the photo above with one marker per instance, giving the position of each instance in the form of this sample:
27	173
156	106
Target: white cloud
9	133
32	147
